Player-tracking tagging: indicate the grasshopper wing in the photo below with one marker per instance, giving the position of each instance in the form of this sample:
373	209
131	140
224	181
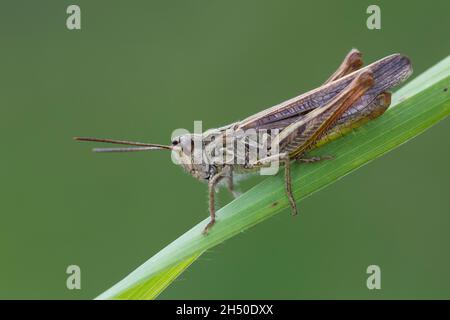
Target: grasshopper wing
387	73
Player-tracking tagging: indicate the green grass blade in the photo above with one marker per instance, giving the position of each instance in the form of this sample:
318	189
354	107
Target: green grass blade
415	107
151	288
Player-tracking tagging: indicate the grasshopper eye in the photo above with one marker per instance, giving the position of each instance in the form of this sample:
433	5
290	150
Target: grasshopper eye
174	142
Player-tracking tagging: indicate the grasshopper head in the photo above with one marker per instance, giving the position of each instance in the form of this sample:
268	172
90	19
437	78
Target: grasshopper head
187	152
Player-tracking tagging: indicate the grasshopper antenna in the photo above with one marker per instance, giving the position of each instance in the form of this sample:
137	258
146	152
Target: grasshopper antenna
139	146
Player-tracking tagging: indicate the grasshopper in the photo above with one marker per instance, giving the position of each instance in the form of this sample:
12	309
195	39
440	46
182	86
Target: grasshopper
349	98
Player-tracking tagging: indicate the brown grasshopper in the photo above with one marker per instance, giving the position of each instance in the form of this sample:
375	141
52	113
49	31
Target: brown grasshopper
349	98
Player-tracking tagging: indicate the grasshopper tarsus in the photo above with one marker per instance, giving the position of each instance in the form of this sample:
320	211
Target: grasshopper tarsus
314	159
208	227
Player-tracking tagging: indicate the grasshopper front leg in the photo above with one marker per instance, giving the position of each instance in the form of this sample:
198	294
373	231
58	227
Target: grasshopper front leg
212	183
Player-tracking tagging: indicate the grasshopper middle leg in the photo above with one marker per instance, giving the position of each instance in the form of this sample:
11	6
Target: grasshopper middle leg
285	159
230	184
288	184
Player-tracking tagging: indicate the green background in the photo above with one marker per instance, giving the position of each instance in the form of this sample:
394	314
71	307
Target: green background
140	69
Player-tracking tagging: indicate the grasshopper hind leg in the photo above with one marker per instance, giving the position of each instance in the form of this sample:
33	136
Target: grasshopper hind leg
352	62
294	144
347	124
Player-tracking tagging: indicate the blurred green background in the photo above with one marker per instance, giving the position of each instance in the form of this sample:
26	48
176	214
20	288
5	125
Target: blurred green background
140	69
